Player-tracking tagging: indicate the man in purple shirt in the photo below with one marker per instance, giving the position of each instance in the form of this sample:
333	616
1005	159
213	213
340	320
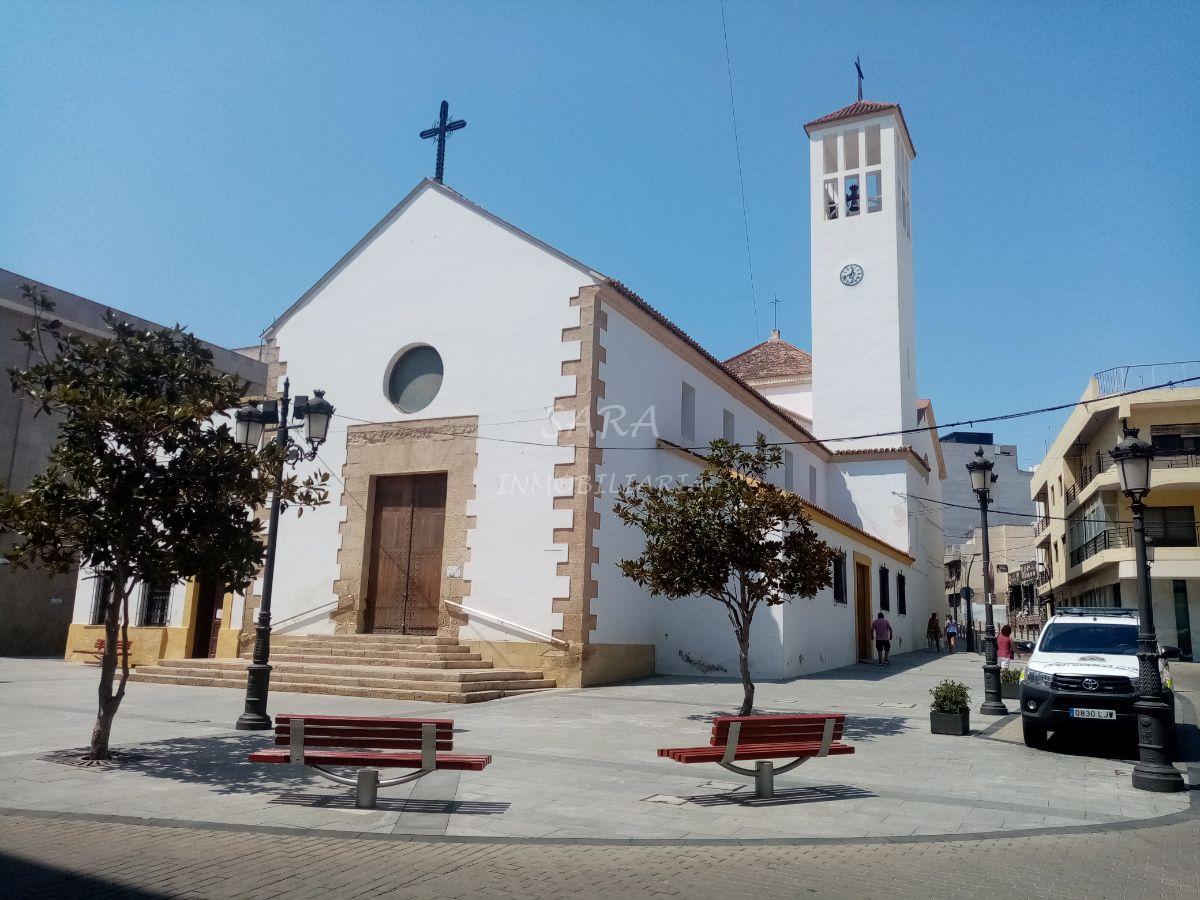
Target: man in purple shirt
881	628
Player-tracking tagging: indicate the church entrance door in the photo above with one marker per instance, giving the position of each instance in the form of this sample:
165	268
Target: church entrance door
862	609
208	610
409	520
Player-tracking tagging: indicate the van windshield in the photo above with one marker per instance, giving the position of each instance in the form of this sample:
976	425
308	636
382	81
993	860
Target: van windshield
1089	637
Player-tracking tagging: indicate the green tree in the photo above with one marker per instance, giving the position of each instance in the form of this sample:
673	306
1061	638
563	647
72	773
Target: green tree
145	483
730	535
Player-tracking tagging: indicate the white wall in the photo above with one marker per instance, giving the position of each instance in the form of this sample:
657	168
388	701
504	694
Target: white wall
794	396
494	305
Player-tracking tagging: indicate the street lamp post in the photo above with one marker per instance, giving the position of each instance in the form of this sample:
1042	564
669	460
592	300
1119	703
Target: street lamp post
982	478
250	421
1153	771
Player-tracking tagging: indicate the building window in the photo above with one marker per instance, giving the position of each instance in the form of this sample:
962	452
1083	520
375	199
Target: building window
885	601
901	597
852	197
1171	526
101	592
874	192
831	198
839	578
687	413
155	600
812	483
1175	440
850	149
829	143
789	471
415	379
727	430
873	147
1183	619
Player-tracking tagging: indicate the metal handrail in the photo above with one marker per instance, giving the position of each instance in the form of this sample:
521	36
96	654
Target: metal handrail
303	613
504	623
1039	525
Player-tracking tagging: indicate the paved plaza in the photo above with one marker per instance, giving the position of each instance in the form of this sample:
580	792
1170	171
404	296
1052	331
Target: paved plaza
576	801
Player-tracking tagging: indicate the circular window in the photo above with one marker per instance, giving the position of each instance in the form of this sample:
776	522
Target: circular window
415	379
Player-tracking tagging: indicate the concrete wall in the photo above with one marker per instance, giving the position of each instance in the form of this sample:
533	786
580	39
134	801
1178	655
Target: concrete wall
1010	492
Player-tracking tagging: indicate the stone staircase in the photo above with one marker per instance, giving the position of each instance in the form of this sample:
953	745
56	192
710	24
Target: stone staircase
384	666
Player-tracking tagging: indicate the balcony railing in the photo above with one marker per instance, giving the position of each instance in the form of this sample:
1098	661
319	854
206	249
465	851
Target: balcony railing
1043	578
1173	534
1130	378
1039	525
1175	460
1099	463
1071	493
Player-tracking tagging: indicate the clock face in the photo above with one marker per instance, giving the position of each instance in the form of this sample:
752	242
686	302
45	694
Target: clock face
852	274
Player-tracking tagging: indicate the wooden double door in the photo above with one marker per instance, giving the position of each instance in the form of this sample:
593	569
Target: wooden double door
408	525
862	610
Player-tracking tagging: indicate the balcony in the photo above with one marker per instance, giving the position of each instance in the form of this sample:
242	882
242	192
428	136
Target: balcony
1183	534
1112	538
1097	464
1130	378
1040	525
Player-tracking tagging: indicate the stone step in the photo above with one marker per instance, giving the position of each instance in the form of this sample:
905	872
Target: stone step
427	662
300	687
507	685
392	639
237	668
377	652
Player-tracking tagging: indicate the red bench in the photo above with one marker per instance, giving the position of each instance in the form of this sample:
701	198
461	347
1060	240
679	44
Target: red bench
764	738
368	743
123	647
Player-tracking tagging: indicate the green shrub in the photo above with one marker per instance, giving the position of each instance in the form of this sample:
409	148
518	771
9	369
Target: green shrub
950	697
1010	676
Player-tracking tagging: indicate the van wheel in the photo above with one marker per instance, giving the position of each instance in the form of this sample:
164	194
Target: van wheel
1035	735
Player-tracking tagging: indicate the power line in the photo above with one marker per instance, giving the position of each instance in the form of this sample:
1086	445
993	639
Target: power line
1002	512
741	181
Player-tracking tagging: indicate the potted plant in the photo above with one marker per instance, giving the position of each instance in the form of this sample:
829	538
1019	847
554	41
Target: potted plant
1010	684
950	711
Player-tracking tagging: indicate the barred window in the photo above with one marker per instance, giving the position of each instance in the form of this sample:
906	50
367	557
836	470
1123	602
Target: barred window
901	599
101	592
155	600
839	578
885	602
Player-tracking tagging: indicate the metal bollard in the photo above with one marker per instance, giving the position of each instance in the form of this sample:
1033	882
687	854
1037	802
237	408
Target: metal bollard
368	788
764	779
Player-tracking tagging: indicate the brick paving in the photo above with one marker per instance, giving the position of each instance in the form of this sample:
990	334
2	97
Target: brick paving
55	857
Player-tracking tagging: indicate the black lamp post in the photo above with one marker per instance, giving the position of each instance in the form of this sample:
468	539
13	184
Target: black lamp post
982	478
249	423
1153	771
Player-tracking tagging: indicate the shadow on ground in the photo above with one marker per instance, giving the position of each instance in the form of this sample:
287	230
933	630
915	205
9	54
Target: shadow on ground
21	878
786	797
345	800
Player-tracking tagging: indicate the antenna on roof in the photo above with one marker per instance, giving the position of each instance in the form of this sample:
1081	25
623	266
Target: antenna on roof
858	68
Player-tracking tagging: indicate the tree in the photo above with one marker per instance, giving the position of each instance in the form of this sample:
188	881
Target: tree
144	483
730	535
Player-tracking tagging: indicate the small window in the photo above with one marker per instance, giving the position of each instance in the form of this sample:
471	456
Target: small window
885	600
727	430
415	379
687	413
901	597
839	578
831	199
852	198
812	483
850	145
829	143
789	473
873	158
155	600
874	192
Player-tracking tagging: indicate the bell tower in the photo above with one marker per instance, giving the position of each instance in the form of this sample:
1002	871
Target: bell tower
864	353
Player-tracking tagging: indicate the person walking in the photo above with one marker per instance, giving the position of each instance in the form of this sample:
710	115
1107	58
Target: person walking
1004	647
951	633
933	633
881	628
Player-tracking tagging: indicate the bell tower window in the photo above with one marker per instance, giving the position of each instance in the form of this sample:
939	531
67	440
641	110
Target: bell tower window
850	148
831	198
874	192
873	150
829	143
852	196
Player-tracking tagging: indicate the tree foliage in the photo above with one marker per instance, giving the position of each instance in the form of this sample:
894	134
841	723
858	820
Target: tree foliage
145	483
730	535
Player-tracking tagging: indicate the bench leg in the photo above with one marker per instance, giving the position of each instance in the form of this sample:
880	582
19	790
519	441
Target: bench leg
368	788
764	779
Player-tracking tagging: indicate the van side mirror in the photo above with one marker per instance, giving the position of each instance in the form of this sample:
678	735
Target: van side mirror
1024	646
1169	653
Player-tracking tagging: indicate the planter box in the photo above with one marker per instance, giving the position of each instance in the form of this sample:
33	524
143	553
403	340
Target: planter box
949	723
1010	691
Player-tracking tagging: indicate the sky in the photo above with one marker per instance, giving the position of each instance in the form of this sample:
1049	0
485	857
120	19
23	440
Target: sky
207	162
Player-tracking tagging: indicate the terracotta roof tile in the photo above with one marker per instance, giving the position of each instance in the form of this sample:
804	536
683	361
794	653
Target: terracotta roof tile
773	358
858	109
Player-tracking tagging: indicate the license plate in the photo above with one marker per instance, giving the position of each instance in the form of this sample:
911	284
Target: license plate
1093	714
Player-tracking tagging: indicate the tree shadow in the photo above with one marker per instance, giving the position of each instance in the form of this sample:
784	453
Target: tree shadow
787	797
345	800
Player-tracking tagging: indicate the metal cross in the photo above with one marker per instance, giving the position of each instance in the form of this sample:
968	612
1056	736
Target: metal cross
775	303
439	131
858	67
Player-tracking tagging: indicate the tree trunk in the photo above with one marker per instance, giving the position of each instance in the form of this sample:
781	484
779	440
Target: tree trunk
116	632
743	639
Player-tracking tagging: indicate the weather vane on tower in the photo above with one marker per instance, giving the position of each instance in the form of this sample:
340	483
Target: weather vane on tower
439	131
858	68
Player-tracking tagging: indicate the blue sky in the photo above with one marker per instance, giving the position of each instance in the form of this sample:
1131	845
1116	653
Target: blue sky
207	162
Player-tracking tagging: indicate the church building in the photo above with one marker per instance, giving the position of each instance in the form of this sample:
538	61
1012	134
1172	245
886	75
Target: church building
492	393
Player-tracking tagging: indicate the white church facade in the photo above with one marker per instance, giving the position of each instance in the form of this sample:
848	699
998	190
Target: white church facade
492	393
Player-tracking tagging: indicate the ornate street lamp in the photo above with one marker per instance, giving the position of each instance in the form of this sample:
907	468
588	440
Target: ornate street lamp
1153	771
982	478
249	422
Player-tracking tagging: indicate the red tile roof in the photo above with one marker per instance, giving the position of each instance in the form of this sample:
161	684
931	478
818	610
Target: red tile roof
773	358
857	110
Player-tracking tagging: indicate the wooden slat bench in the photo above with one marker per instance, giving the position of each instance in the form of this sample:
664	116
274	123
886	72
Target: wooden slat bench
125	647
368	743
764	738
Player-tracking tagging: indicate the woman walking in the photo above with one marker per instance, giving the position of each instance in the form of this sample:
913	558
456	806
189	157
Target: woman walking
933	633
951	633
1004	647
